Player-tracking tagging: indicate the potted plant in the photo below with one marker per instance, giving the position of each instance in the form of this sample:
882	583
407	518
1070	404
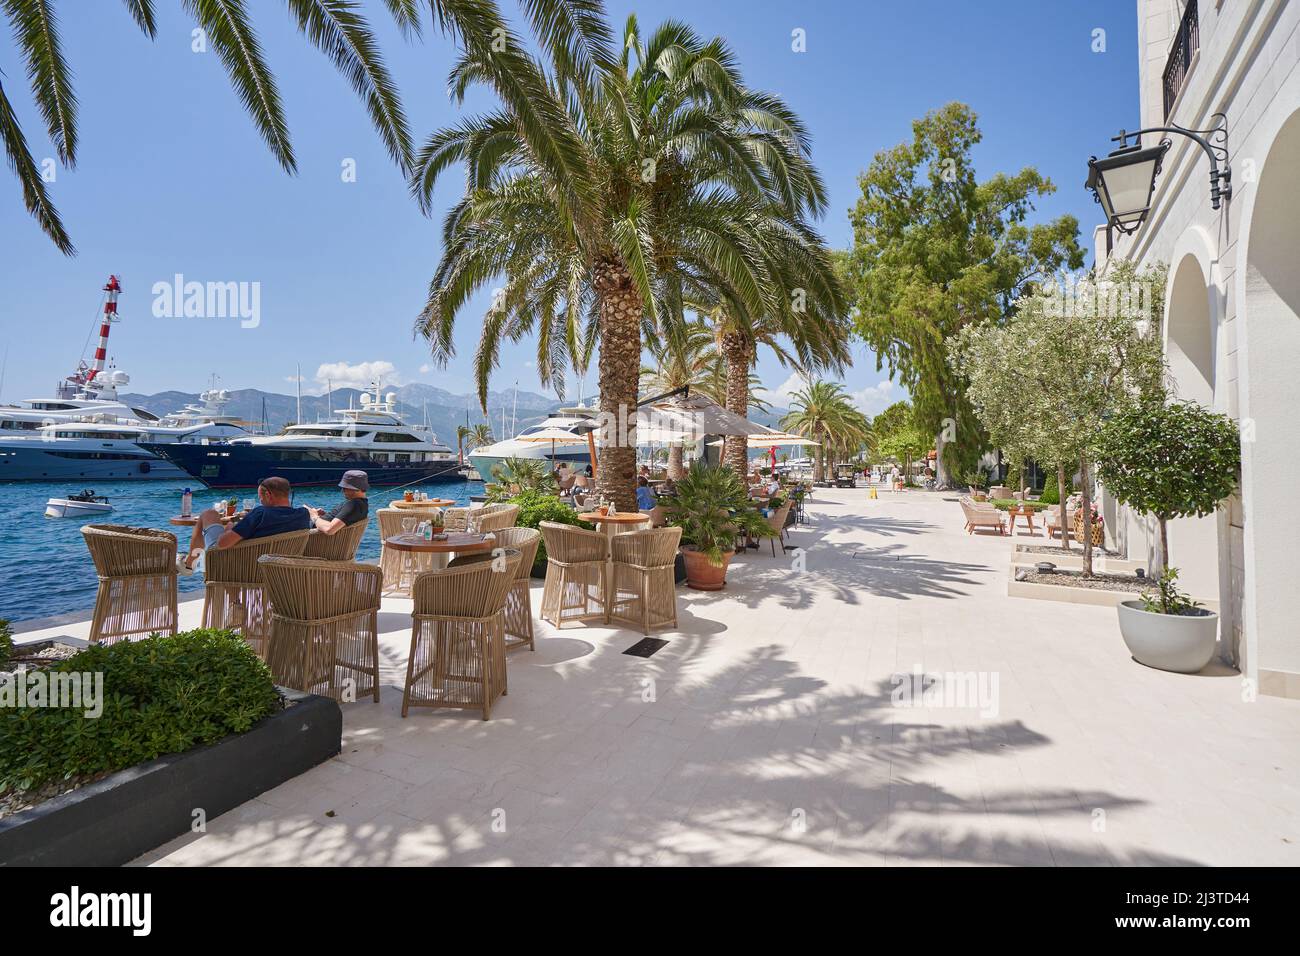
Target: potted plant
712	508
1172	461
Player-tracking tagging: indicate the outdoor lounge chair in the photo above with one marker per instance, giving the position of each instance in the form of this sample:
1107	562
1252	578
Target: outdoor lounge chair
519	601
982	516
491	518
137	581
340	546
324	625
1052	520
234	592
458	652
777	522
575	574
644	591
400	567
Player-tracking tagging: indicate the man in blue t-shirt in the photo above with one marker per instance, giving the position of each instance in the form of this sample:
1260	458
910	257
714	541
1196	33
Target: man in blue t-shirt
274	515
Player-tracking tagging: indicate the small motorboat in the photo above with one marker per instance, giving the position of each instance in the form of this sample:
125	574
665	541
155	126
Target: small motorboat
85	504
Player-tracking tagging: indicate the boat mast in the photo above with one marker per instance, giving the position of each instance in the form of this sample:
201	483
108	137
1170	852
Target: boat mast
298	379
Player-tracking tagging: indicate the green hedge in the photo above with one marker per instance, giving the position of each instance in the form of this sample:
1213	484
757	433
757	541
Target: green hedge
161	695
536	507
1051	492
1003	504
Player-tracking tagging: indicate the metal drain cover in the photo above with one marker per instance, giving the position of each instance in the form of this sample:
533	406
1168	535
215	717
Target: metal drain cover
646	647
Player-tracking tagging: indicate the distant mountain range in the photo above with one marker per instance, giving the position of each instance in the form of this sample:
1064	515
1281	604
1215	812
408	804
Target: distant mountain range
417	403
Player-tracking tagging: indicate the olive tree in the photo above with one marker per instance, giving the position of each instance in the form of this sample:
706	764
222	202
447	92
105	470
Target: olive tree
1175	460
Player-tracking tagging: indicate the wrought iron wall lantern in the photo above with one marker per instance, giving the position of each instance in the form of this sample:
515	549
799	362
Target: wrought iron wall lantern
1125	181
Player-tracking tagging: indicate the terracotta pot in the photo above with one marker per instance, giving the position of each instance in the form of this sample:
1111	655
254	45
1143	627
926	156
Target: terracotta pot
700	574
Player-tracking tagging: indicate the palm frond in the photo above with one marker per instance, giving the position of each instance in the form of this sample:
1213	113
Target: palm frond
34	195
340	31
36	31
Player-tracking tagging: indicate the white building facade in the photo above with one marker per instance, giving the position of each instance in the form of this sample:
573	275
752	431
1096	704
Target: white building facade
1232	330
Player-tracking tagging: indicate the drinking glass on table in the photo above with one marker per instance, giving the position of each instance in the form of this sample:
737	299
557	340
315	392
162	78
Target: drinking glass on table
408	525
250	504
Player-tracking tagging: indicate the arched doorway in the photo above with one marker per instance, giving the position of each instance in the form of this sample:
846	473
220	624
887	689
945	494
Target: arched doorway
1194	543
1269	362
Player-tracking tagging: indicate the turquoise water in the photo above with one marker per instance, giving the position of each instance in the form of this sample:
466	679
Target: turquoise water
45	568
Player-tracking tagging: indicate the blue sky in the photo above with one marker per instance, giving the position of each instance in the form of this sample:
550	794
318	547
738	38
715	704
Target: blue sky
172	177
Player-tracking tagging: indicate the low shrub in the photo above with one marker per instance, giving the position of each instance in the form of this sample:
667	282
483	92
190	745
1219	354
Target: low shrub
536	507
1051	493
160	695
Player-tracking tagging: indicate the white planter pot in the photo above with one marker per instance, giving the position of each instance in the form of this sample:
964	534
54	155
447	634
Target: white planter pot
1171	642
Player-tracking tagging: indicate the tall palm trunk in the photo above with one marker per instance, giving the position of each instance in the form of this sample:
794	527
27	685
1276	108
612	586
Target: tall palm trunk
620	369
736	353
675	469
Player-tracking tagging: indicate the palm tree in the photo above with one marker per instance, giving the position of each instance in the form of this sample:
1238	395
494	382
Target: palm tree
823	412
606	190
462	432
810	333
478	436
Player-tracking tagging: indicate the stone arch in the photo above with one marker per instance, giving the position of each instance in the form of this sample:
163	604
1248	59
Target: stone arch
1268	361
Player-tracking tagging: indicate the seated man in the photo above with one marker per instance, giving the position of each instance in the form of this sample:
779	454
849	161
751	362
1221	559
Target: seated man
353	508
274	515
645	498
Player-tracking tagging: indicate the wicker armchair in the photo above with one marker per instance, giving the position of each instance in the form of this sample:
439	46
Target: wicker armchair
777	522
575	574
399	567
493	518
137	581
519	602
324	625
458	652
455	519
340	546
644	595
234	593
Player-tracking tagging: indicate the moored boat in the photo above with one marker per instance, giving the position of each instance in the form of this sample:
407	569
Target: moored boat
85	504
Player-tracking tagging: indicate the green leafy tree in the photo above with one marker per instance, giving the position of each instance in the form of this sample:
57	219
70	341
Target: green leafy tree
936	250
609	190
1174	460
899	436
1081	359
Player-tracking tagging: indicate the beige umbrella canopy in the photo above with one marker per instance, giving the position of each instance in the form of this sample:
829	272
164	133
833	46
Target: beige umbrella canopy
689	418
559	436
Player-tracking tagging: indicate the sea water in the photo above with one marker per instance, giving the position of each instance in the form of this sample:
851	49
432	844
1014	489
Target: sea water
45	568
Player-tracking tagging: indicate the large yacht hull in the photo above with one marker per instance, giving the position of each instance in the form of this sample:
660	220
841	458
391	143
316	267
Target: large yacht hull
483	463
34	460
243	466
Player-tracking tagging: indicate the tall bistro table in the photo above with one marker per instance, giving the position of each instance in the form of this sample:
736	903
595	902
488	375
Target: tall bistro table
456	542
617	523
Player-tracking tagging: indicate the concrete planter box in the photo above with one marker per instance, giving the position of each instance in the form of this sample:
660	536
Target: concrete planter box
1074	561
133	811
1067	593
1183	643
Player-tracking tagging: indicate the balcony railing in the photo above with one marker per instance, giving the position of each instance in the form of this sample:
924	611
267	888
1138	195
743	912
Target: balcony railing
1186	43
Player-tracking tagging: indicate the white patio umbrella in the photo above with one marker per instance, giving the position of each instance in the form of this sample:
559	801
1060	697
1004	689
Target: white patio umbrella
556	436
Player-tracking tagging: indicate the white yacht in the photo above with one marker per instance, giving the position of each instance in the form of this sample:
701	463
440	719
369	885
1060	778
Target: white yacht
105	451
372	438
575	420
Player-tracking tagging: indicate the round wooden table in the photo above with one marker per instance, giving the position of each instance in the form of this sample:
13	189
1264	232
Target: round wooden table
439	551
416	505
189	521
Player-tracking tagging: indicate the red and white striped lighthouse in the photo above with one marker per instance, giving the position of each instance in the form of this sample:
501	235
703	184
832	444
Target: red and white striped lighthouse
112	288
